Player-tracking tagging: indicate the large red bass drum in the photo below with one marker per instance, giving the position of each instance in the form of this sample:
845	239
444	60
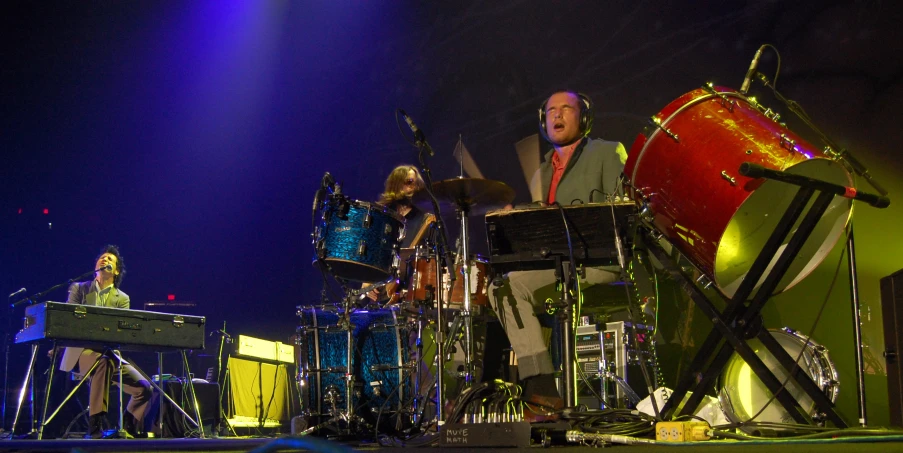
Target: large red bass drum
684	172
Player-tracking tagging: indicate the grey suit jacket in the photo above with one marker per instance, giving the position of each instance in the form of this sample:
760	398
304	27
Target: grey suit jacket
84	293
591	174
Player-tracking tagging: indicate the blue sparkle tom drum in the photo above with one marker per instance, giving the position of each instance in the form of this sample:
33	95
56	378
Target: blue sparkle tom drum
359	240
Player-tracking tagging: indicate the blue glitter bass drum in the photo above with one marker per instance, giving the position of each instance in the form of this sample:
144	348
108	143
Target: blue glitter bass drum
359	240
380	367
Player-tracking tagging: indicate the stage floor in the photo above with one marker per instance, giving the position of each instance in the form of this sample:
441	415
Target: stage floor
287	443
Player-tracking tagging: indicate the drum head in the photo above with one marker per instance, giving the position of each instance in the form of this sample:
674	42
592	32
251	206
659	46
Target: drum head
742	393
758	216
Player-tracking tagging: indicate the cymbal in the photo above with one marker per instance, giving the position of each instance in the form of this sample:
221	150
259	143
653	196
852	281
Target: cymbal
475	195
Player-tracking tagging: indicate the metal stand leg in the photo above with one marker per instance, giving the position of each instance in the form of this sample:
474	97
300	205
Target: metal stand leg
122	433
732	323
418	369
568	352
45	419
857	328
466	313
47	393
194	395
440	347
29	375
168	398
160	385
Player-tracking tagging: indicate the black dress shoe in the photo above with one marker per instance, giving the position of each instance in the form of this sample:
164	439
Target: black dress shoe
95	426
131	426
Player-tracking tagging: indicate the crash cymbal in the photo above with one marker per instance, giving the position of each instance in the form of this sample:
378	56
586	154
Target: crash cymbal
476	195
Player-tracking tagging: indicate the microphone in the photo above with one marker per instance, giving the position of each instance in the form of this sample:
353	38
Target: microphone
108	267
418	134
326	182
221	332
20	291
752	70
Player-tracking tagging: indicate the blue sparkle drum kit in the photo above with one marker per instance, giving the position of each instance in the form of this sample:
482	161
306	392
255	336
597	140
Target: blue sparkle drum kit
359	361
380	357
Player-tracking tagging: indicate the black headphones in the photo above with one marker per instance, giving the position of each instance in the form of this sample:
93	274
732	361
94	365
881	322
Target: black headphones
586	114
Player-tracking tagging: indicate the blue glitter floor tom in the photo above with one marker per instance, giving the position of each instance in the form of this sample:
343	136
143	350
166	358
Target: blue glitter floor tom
380	366
359	240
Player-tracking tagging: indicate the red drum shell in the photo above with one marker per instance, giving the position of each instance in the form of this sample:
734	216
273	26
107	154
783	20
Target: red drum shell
479	285
686	172
422	282
421	278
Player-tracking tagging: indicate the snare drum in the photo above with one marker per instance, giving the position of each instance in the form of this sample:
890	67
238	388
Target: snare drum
685	173
743	395
422	282
359	240
421	277
479	284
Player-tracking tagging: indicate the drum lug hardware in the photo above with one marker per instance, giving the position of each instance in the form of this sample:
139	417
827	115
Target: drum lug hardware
362	248
658	123
789	141
725	102
831	153
704	282
646	216
368	219
728	178
656	235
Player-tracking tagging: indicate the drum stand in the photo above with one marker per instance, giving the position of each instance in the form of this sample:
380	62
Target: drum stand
463	212
347	415
737	322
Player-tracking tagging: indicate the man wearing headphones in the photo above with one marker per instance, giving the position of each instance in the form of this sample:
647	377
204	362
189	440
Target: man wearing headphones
576	170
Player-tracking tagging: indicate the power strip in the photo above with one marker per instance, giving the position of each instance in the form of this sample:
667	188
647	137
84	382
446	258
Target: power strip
682	431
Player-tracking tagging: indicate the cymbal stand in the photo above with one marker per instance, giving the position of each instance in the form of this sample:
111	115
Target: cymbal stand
463	212
442	262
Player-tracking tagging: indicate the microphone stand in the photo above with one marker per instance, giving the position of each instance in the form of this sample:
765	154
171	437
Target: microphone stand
36	297
853	164
442	261
223	339
29	374
6	361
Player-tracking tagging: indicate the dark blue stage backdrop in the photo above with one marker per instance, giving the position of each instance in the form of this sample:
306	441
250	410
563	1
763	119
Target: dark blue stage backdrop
193	134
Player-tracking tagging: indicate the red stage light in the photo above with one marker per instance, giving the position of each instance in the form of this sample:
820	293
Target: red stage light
171	297
46	211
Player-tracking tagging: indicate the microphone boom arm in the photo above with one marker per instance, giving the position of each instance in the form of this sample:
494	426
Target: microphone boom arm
35	297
